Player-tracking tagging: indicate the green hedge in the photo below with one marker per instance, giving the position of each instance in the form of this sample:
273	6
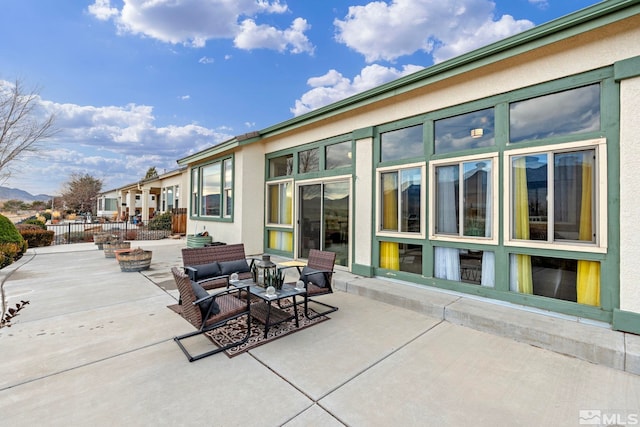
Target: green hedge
12	244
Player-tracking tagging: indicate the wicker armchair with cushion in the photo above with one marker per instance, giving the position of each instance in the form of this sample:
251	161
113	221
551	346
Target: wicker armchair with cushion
317	276
207	312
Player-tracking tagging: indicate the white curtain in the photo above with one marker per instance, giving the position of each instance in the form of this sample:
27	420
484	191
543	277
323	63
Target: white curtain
488	257
447	260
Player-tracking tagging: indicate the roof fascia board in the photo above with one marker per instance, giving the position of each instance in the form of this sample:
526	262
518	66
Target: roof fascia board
576	23
210	152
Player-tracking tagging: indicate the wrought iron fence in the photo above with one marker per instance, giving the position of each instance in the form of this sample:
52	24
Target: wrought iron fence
77	232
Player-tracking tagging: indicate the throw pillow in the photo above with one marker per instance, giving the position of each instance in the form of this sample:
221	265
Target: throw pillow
239	266
207	271
316	277
199	292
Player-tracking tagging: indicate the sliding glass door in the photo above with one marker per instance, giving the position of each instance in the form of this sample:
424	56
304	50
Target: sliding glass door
323	219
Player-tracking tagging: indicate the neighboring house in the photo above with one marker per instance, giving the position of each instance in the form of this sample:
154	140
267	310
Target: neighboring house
509	172
144	198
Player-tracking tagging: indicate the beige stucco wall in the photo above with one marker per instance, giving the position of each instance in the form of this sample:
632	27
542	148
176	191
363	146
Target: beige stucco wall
363	207
629	205
248	224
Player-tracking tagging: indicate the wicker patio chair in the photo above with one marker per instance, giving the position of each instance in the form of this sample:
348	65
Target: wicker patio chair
317	276
207	312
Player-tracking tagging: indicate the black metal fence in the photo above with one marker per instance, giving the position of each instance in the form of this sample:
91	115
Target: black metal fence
78	232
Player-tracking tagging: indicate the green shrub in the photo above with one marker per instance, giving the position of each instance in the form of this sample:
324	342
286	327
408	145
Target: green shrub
35	236
12	244
34	221
161	222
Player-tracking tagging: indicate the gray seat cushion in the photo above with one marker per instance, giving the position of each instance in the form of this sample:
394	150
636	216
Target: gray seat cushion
316	277
207	304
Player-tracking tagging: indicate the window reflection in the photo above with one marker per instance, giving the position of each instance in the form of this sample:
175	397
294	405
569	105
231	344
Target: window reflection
466	131
281	166
401	144
308	161
338	155
563	113
570	215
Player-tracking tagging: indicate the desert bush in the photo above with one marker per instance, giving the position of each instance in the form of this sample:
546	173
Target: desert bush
33	221
161	222
35	236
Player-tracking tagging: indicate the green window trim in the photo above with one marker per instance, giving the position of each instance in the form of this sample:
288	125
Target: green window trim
213	179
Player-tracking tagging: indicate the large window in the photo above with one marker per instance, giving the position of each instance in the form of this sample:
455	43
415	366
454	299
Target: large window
466	131
401	193
228	187
464	199
110	204
309	161
338	155
280	203
553	197
195	191
212	189
560	278
562	113
401	144
281	166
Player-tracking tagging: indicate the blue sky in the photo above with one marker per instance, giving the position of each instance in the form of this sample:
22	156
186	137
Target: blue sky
142	83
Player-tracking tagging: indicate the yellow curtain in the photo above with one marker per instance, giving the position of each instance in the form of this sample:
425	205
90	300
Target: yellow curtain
588	277
281	240
389	251
389	255
273	203
390	201
287	242
523	262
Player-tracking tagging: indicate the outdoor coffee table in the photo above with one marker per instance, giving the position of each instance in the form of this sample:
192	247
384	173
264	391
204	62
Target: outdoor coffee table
270	314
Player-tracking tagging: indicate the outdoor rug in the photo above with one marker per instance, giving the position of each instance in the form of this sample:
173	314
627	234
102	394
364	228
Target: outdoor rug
236	329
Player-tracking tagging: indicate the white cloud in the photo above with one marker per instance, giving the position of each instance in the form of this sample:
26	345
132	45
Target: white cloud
333	86
102	10
193	22
252	36
206	60
382	31
113	143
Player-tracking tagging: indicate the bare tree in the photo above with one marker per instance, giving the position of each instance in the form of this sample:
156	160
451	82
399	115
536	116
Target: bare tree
23	126
81	193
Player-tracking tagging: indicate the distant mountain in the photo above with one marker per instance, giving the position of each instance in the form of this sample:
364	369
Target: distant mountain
7	193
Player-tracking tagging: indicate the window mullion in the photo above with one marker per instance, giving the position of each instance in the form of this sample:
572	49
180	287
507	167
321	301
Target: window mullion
551	197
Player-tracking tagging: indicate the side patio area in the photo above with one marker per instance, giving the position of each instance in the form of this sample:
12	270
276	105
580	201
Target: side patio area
94	347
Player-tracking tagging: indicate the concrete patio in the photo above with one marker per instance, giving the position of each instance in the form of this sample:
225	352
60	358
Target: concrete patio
94	348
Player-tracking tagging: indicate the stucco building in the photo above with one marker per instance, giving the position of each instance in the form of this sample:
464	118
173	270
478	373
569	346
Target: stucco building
508	172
